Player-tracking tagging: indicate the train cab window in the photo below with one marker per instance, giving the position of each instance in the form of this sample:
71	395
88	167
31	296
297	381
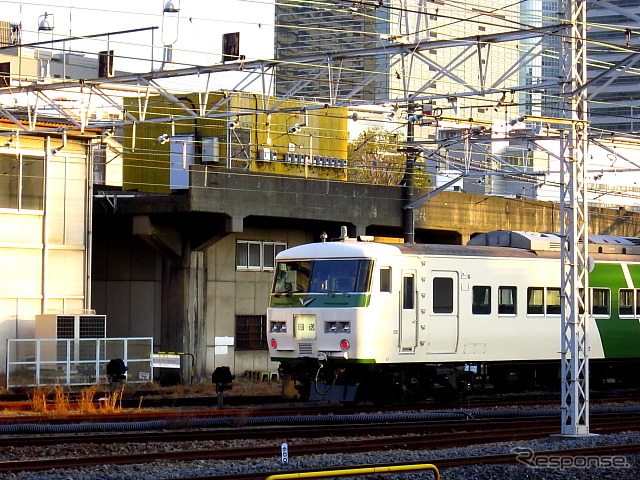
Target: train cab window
292	277
553	301
481	303
507	300
626	297
600	301
535	300
442	295
385	279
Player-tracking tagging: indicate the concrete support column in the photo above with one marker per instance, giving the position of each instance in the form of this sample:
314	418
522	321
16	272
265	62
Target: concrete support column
183	311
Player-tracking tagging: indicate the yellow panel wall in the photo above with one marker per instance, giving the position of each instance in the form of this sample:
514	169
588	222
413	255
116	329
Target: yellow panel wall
323	132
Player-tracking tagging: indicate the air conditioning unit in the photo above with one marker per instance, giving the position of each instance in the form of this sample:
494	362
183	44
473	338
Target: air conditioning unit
58	326
71	326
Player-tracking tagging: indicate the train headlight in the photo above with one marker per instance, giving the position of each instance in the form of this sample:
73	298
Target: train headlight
274	343
344	344
337	327
278	327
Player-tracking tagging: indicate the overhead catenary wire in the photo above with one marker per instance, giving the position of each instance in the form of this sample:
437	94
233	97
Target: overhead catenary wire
325	4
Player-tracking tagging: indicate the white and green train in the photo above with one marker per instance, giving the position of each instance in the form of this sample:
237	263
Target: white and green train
357	321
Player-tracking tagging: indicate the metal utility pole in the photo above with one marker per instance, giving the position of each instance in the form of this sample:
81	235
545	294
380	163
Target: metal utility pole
408	220
574	225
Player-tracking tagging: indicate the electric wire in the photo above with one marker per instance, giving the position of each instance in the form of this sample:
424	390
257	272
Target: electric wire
471	107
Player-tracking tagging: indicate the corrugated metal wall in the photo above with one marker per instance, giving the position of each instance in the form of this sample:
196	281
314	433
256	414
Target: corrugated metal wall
323	132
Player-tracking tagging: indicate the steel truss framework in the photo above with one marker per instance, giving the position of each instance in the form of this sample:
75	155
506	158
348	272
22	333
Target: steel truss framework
574	228
572	84
261	72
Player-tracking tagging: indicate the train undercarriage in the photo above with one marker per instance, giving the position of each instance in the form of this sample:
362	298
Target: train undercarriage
385	384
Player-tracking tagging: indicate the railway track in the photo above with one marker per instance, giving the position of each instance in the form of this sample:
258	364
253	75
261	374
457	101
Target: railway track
604	424
141	409
413	437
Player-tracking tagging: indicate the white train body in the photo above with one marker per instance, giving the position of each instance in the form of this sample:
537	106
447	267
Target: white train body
416	311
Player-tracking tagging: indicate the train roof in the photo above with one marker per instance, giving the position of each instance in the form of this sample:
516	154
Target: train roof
350	248
500	243
551	242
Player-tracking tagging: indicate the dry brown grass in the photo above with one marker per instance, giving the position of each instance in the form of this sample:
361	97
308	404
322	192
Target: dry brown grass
55	400
39	399
61	400
112	401
86	399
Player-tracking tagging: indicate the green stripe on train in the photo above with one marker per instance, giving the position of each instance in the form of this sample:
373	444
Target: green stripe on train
620	336
320	300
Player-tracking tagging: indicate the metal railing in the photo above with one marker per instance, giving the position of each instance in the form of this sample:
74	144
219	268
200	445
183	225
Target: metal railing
359	471
75	361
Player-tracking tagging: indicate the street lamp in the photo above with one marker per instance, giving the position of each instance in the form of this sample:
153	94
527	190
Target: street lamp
44	25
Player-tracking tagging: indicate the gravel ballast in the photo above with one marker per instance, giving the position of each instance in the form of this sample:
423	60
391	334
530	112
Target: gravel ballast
623	467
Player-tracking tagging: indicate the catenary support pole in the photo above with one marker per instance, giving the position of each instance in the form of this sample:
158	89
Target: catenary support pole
574	226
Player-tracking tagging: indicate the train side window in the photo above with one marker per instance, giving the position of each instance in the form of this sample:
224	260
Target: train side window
385	279
553	301
637	302
625	302
507	300
535	300
481	303
442	295
408	292
600	301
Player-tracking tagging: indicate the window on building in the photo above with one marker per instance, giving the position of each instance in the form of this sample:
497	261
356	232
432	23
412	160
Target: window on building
269	252
535	300
251	332
481	304
257	255
385	279
99	162
600	301
507	300
442	295
5	74
21	182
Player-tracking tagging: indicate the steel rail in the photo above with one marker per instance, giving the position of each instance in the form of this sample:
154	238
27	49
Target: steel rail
460	436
